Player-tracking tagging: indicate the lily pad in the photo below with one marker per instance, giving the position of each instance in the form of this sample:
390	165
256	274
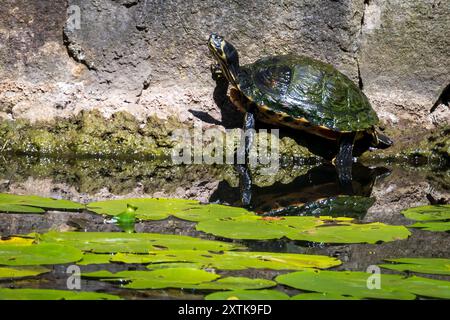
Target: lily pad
11	203
231	260
257	228
428	213
354	284
17	240
354	233
48	294
343	283
302	228
187	278
322	296
21	272
95	258
441	226
235	283
111	242
420	265
38	254
248	295
160	208
157	279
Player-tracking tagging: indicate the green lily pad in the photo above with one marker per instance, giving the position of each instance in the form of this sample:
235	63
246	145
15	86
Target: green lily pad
15	208
257	228
439	226
157	279
11	203
421	265
231	260
111	242
38	254
427	287
235	283
47	294
354	233
21	272
428	213
160	208
343	283
322	296
354	284
187	278
248	295
302	228
95	258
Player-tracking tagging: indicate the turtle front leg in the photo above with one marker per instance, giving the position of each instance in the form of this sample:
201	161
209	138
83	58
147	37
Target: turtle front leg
216	72
245	178
344	161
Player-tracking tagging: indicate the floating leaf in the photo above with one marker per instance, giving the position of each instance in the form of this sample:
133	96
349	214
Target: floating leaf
157	279
441	226
235	283
427	287
21	272
47	294
14	208
421	265
355	284
34	204
111	242
231	260
160	208
428	213
187	278
38	254
302	228
343	283
248	295
354	233
322	296
17	240
257	228
95	258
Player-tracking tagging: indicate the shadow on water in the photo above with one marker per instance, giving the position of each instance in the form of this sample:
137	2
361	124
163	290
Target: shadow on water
318	192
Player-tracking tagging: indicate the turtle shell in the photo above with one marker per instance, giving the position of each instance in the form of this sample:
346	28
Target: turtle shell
302	88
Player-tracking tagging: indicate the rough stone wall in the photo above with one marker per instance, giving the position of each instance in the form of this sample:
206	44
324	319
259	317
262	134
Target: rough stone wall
149	57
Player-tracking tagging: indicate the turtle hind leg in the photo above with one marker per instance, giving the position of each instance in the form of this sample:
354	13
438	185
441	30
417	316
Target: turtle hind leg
381	141
344	161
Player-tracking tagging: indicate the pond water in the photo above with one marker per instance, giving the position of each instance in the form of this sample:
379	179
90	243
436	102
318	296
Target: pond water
378	193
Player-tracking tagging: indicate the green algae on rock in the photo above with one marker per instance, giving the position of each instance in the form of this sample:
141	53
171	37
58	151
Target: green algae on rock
90	134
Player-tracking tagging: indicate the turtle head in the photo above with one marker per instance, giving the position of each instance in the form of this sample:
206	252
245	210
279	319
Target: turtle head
226	56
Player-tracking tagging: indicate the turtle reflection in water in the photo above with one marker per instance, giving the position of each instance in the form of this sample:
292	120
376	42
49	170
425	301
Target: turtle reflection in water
318	192
301	93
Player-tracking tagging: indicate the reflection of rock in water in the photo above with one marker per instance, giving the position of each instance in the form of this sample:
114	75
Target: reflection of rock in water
318	192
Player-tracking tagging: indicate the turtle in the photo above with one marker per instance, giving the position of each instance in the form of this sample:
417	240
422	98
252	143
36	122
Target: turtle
299	92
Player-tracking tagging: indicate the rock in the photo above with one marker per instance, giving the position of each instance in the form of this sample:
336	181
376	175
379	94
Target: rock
149	58
404	60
